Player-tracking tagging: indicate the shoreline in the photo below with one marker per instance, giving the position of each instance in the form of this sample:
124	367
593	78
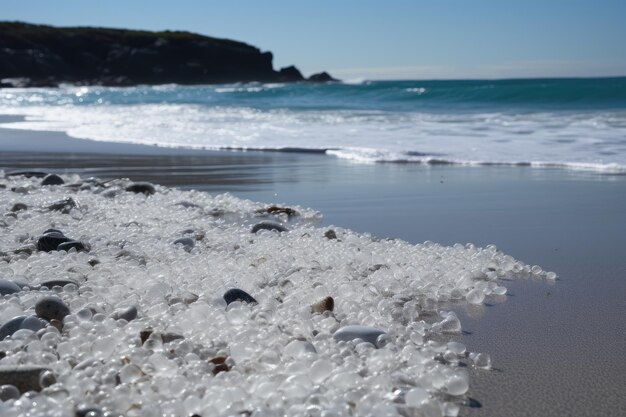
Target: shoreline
61	142
542	337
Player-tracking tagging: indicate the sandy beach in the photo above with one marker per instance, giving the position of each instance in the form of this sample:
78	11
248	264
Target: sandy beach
556	348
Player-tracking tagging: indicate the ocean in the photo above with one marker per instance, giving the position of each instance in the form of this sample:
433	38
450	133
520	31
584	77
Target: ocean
562	123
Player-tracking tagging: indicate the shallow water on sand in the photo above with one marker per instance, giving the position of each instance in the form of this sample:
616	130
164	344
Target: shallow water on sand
555	348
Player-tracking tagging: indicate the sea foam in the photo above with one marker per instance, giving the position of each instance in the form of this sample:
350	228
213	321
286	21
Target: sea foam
187	352
420	122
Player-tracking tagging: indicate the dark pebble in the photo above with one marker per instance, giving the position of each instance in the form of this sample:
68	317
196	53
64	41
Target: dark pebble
73	244
9	392
51	307
127	314
187	243
327	304
19	207
235	294
51	241
52	179
220	364
141	188
33	323
330	234
93	262
268	226
8	287
53	231
11	326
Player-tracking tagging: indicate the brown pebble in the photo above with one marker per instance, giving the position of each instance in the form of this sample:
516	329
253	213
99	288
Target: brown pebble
145	334
327	304
220	364
57	324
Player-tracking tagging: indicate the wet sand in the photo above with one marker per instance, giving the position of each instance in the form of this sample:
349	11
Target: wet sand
556	349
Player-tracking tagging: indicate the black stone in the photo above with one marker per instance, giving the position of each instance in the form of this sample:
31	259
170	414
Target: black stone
19	207
52	179
235	294
73	244
51	241
127	314
53	231
141	188
51	308
330	234
268	226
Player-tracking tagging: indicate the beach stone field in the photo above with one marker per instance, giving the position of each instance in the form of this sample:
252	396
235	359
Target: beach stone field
120	298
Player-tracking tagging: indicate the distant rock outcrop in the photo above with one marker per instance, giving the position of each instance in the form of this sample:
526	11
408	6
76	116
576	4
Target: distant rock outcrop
321	77
38	55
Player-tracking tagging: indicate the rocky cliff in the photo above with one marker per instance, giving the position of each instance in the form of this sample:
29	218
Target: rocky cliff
38	55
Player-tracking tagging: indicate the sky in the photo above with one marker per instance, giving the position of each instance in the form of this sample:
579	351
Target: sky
391	39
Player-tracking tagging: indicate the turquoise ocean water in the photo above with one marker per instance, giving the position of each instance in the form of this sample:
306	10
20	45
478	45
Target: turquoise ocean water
568	123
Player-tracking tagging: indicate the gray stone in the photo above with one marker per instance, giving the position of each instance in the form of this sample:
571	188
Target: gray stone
8	287
51	307
187	243
11	326
267	225
33	323
9	392
127	314
365	333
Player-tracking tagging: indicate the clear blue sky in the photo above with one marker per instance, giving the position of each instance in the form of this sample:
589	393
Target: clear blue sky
382	39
